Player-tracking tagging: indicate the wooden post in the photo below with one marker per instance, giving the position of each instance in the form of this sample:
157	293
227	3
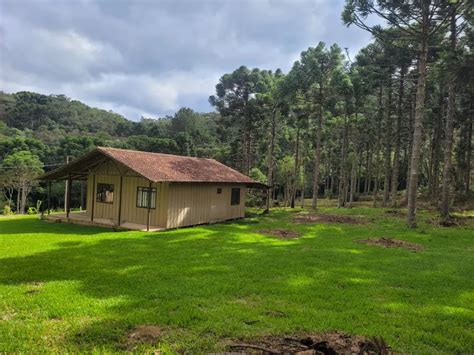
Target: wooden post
120	202
81	206
68	196
149	208
93	198
67	187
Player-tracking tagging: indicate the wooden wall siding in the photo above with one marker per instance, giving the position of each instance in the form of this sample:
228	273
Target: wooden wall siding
133	214
192	203
103	210
177	205
130	212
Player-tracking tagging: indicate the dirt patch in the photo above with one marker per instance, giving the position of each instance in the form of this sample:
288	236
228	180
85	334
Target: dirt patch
324	343
280	233
453	221
35	287
388	242
8	315
148	334
396	213
327	218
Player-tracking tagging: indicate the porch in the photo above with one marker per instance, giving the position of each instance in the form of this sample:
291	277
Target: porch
83	219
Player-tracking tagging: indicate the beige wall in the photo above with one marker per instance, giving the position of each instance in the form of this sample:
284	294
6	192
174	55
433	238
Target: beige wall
197	203
177	205
109	173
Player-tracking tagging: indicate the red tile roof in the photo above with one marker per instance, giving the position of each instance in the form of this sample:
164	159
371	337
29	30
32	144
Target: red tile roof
158	167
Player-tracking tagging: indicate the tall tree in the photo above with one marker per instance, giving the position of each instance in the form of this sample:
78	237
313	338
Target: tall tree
23	167
235	100
454	10
419	20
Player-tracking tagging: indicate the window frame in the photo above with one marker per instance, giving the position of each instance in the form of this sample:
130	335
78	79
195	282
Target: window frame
232	191
141	189
219	190
103	192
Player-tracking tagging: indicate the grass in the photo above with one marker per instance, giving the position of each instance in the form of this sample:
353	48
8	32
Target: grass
75	288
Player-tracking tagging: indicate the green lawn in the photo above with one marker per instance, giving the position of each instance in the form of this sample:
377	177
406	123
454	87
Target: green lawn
76	288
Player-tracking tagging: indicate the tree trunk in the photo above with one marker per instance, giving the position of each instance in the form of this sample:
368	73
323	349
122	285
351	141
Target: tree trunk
297	167
248	152
18	194
410	146
317	161
317	153
271	152
396	158
367	171
388	147
302	186
343	174
418	124
353	182
435	152
24	194
468	156
445	193
377	148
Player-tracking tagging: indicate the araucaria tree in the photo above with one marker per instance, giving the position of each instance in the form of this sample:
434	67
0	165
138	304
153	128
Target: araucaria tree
420	21
387	125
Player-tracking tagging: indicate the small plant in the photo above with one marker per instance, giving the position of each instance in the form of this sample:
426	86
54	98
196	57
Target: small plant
32	210
7	210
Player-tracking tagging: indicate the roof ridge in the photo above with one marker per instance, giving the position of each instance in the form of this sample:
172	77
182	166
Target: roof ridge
157	153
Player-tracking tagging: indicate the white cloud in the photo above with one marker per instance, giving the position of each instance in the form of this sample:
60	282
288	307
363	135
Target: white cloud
150	58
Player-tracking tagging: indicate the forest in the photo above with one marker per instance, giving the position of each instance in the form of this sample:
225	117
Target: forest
391	124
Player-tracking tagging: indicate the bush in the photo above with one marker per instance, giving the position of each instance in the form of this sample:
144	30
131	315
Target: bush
7	210
256	199
32	210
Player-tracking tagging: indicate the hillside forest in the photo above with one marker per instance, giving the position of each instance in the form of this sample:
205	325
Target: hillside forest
391	124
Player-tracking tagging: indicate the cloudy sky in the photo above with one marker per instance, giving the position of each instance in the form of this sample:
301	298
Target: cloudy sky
148	58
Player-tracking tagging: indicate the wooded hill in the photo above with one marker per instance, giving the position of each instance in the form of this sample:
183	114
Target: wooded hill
397	116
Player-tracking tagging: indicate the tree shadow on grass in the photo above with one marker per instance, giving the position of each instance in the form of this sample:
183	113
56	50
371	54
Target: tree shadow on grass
224	280
35	226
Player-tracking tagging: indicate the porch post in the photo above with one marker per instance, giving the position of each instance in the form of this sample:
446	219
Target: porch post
120	202
93	198
68	196
149	208
82	196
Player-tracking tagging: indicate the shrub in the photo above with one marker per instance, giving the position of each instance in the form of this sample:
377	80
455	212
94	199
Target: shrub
32	210
7	210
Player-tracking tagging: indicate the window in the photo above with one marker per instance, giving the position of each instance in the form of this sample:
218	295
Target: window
105	193
235	196
142	197
219	190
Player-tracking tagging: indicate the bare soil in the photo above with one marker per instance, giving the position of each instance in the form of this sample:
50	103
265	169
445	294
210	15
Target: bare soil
396	213
327	218
148	334
309	344
453	221
280	233
388	242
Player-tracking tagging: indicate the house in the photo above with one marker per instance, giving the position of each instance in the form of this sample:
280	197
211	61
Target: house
153	191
